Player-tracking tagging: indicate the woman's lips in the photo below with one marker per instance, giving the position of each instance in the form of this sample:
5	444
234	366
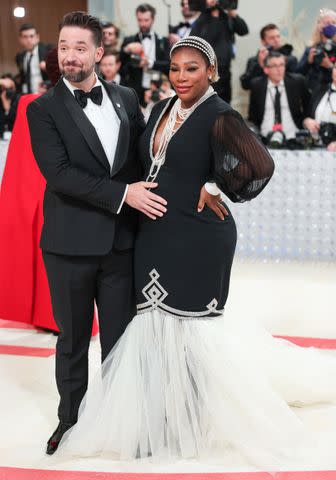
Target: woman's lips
182	89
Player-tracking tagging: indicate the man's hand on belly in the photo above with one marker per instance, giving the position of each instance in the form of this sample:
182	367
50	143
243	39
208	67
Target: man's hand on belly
139	197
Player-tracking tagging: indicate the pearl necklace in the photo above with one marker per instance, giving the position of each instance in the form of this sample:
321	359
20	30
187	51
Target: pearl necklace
169	130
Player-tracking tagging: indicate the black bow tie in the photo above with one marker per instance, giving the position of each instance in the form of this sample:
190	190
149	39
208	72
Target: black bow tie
96	95
146	35
185	24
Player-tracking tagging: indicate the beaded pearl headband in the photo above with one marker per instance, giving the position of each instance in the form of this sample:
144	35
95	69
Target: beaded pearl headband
199	44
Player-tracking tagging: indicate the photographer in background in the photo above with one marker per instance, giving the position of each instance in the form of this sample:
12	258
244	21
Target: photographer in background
31	61
218	24
159	90
317	60
278	102
143	54
270	41
183	29
9	99
111	34
322	114
109	67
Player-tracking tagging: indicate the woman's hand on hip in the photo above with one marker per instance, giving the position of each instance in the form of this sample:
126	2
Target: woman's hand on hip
213	202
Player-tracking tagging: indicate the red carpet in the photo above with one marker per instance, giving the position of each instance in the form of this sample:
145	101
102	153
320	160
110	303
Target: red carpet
26	351
27	474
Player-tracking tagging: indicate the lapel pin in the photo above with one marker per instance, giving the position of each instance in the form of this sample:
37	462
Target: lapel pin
118	105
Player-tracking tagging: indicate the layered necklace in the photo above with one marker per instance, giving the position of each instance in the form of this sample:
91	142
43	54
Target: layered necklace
177	116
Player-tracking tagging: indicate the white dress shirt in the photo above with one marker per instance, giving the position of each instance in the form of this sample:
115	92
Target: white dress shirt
35	71
288	126
326	107
106	123
149	48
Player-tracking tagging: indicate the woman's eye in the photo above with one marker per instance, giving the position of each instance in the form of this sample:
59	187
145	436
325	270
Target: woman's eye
192	69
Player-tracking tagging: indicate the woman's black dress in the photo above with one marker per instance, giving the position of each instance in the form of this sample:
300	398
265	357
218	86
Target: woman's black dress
183	381
183	260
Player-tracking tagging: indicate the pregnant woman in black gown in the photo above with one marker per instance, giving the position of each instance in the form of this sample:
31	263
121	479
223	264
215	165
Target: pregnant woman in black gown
182	382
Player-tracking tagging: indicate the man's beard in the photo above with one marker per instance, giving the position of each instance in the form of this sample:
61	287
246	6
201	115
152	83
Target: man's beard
77	77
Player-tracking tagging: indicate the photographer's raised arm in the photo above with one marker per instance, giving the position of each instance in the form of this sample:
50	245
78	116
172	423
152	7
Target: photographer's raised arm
53	161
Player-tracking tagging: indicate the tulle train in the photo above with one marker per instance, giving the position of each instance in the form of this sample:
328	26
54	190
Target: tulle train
206	389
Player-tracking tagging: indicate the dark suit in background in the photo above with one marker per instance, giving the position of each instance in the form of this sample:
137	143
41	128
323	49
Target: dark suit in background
220	33
7	119
43	50
87	246
131	74
297	94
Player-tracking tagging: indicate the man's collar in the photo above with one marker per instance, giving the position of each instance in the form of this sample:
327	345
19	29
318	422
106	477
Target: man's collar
193	19
280	84
72	88
151	33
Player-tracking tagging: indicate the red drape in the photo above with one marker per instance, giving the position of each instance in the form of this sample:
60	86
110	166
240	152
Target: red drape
24	291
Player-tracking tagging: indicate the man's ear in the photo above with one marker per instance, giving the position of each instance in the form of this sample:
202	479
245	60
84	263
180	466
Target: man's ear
99	53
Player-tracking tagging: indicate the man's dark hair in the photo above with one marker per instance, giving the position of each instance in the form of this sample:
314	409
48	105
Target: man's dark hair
85	21
273	54
267	28
145	7
111	25
27	26
8	75
114	53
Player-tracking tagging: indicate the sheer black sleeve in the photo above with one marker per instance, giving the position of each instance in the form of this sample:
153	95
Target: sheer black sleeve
242	165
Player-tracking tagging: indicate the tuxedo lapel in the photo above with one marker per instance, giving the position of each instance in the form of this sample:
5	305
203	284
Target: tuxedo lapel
262	97
124	131
293	96
85	126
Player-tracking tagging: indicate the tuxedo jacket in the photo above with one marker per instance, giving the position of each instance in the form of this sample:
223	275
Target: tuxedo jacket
82	195
131	75
297	94
316	97
43	50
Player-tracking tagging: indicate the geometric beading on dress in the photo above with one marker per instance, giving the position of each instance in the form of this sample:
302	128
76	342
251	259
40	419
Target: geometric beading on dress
155	295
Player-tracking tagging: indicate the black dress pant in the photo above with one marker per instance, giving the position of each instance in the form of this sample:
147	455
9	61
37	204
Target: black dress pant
75	284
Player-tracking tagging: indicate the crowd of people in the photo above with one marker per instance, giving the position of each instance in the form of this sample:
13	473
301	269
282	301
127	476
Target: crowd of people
292	103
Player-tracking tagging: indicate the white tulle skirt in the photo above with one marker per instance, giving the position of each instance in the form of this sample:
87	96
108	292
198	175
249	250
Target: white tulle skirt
209	389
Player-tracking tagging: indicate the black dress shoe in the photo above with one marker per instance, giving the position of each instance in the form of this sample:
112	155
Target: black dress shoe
56	437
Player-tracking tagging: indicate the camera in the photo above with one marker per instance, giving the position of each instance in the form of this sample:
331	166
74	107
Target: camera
327	132
276	139
328	48
201	5
322	49
10	92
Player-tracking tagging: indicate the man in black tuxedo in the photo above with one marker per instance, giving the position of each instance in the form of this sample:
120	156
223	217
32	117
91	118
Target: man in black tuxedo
278	101
219	27
270	41
144	55
84	135
183	29
31	61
